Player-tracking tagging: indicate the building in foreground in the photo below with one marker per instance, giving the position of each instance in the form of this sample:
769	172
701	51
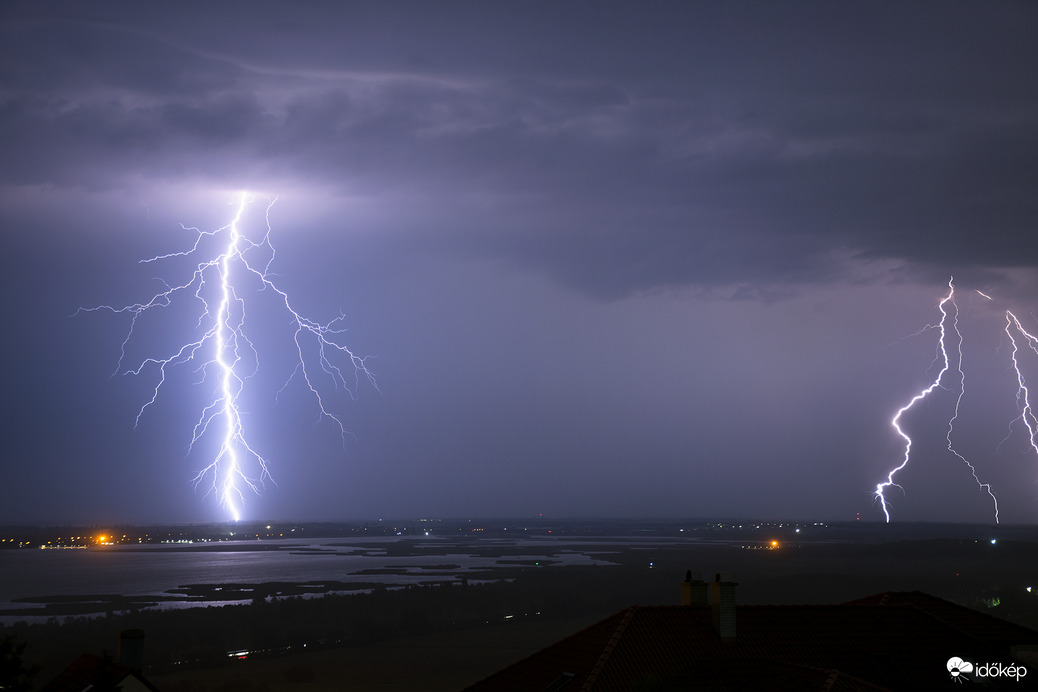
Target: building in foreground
90	673
890	641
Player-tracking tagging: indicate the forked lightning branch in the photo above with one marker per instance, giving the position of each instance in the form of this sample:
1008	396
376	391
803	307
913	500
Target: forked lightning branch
948	330
219	347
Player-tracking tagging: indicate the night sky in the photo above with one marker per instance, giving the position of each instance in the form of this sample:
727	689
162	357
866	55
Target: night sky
607	259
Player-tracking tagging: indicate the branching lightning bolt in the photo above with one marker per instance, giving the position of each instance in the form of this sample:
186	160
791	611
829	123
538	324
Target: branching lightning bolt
958	402
945	366
1023	396
224	352
896	421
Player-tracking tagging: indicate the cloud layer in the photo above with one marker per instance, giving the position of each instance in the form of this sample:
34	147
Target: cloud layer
611	258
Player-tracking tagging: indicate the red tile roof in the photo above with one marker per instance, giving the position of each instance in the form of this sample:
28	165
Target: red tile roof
902	641
979	624
90	672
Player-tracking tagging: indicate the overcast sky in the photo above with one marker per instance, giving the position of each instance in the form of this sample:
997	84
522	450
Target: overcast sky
606	259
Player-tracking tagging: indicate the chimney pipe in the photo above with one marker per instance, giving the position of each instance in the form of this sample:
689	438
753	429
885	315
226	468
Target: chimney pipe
722	608
694	591
131	650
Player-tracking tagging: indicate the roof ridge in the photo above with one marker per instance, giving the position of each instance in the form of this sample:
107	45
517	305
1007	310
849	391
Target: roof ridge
575	635
609	647
920	599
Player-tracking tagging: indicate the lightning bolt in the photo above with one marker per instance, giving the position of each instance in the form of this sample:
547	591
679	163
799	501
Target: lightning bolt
945	367
1023	396
222	351
986	487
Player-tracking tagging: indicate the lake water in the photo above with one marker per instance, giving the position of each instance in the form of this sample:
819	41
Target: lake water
154	570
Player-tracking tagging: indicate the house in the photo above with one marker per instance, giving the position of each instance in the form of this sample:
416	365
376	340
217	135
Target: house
100	674
890	641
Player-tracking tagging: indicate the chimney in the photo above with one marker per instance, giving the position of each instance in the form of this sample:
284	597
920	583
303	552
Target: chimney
722	608
131	650
694	591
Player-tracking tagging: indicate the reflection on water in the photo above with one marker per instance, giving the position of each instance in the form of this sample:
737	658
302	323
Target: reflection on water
38	584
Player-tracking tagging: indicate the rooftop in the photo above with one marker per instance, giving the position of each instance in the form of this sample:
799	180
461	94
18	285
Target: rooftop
886	641
98	674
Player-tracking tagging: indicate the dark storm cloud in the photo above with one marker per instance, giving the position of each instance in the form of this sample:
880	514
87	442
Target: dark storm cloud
695	145
536	215
47	54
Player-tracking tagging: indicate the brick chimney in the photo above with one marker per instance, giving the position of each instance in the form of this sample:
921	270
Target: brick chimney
694	591
131	650
722	608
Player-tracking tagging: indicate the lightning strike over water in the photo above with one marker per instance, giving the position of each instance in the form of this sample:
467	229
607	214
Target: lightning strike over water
222	351
943	357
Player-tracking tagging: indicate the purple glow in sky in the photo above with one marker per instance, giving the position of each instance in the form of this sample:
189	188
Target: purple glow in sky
611	259
232	264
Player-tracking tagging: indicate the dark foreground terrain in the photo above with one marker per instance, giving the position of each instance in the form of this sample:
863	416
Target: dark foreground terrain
444	636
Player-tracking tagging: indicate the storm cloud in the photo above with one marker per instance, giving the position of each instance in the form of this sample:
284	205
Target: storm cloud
684	214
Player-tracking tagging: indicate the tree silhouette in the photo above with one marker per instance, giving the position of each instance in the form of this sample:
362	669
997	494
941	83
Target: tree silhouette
15	674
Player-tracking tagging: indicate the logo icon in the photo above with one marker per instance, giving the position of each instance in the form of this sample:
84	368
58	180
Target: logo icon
959	668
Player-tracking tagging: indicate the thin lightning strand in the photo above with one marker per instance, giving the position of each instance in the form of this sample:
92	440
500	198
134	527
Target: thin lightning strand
896	421
943	351
1023	396
233	356
958	402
